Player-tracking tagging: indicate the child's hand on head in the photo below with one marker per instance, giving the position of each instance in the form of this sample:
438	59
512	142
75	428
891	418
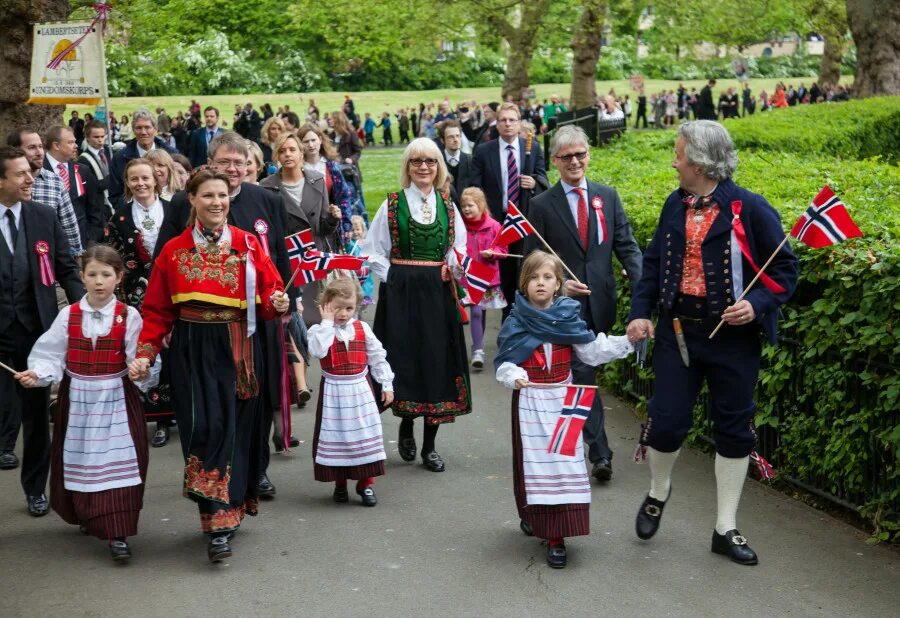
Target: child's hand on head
327	311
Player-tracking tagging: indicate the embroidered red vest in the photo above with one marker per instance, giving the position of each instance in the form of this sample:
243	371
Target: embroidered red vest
108	356
347	358
560	367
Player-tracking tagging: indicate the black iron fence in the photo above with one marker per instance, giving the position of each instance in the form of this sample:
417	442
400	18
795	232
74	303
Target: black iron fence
599	131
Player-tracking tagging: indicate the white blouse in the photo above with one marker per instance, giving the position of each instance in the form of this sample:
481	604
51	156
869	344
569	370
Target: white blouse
377	244
322	336
148	221
48	356
601	350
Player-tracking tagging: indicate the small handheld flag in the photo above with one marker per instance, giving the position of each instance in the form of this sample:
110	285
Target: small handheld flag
477	276
515	227
321	260
826	222
298	245
572	417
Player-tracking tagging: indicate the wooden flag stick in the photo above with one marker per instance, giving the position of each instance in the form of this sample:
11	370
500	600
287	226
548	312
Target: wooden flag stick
545	385
506	255
8	368
550	249
291	280
750	285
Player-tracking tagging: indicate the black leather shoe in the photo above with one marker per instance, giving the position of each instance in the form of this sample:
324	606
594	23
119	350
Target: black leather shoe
37	505
293	442
218	548
161	437
340	494
303	396
9	461
368	496
265	488
119	551
602	470
733	545
278	444
647	522
525	527
556	556
407	448
433	461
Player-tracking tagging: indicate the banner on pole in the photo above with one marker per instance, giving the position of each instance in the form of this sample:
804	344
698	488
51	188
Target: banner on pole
67	63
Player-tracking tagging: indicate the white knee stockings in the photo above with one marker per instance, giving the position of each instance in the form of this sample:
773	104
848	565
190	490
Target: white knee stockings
730	475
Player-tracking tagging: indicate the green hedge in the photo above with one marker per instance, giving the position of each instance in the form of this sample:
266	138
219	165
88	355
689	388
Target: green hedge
844	314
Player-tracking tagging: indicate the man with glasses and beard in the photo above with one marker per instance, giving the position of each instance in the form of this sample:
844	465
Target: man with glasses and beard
584	223
259	211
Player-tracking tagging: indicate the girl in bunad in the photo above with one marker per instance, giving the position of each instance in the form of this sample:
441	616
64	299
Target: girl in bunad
209	287
535	347
354	247
348	443
132	231
98	458
481	232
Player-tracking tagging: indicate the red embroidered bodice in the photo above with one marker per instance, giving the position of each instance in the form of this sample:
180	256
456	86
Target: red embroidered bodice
108	356
560	368
348	358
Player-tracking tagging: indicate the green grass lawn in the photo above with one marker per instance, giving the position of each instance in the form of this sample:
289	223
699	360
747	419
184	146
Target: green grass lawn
377	101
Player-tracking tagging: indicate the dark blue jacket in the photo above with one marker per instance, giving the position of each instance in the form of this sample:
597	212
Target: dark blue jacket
121	159
726	273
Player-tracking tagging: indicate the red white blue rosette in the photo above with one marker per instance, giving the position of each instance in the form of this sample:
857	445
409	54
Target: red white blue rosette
597	205
42	248
262	230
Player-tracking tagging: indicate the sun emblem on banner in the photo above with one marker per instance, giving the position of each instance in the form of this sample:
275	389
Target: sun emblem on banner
69	62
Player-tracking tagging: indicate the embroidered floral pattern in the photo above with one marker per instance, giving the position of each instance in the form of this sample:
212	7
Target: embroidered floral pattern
147	350
440	412
209	484
223	520
211	263
394	224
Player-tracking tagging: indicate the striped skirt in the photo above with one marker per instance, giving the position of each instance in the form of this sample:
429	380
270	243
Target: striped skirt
549	521
108	514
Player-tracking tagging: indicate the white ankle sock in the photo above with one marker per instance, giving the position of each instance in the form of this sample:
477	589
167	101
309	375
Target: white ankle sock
660	472
730	476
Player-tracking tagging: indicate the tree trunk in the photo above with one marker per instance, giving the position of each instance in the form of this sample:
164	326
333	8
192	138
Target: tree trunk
16	18
522	40
875	25
830	67
518	63
586	52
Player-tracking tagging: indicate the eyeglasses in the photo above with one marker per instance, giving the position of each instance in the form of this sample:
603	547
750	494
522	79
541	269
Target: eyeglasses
420	162
226	163
580	155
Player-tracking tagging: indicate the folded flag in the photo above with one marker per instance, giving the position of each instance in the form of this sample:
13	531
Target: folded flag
515	227
567	433
826	222
476	276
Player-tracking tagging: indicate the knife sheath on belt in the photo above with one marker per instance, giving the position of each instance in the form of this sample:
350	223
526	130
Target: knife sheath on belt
682	344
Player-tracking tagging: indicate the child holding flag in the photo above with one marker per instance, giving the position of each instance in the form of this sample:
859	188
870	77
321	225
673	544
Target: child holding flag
535	350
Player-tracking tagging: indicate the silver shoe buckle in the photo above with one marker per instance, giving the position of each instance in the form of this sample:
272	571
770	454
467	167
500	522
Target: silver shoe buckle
738	539
652	510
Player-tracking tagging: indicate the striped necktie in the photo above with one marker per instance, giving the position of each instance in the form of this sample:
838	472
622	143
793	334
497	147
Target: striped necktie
512	182
63	173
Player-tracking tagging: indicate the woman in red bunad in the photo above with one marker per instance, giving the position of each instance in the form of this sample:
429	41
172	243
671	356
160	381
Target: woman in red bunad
209	287
98	459
534	356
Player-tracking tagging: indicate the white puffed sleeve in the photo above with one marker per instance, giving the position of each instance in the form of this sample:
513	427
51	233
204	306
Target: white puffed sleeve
603	349
508	373
133	326
377	244
378	365
320	338
459	240
48	355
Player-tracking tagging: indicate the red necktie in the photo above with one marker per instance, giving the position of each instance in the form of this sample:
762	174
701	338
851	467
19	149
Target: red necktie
63	173
582	217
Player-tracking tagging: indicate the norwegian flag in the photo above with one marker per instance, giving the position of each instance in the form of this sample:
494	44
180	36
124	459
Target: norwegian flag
477	276
826	222
515	227
567	433
322	260
298	245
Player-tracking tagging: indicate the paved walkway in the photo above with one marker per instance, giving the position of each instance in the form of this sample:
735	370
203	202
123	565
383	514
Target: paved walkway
447	544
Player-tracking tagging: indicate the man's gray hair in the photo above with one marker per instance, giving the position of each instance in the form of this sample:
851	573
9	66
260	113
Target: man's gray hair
142	113
229	140
708	145
569	135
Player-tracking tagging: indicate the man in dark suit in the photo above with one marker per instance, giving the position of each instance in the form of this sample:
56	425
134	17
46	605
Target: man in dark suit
97	156
201	138
458	163
507	173
258	211
33	252
584	223
487	130
61	154
706	107
143	123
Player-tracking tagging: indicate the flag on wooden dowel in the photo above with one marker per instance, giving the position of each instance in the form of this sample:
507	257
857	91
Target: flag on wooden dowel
515	227
826	222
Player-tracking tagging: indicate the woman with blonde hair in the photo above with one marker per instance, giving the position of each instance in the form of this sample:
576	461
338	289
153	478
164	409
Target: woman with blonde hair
271	130
412	246
168	180
255	165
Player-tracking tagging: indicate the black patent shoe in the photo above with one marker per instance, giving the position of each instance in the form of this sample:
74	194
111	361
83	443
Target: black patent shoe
119	551
265	488
38	506
525	527
368	496
218	548
733	545
556	556
433	461
340	494
407	448
8	460
647	521
160	438
278	444
602	469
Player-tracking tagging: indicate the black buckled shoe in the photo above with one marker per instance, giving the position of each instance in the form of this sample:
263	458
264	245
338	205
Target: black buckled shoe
119	551
368	496
647	521
602	470
303	396
433	461
161	437
218	548
525	527
556	556
407	448
8	460
733	545
265	488
38	506
340	494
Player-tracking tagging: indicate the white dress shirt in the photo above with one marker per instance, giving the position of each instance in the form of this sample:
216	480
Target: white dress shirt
452	157
4	222
504	170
